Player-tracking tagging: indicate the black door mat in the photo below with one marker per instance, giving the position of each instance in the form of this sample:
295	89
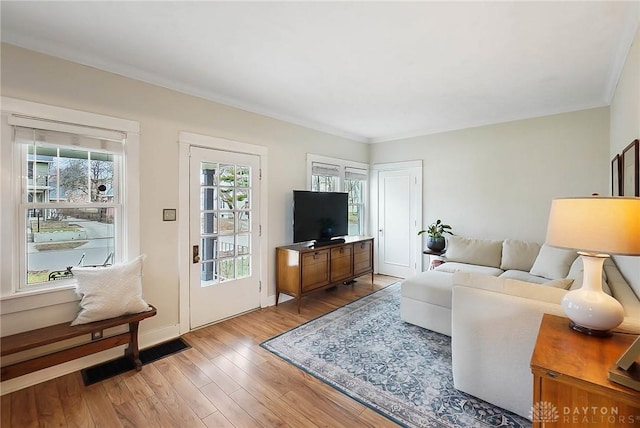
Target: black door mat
121	365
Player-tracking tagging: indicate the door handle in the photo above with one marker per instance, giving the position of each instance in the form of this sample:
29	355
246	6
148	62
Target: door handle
196	254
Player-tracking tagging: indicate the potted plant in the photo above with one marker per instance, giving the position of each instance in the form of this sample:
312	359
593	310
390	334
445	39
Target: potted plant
435	232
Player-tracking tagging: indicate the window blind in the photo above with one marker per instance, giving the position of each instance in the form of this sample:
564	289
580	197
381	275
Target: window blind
325	169
44	132
355	174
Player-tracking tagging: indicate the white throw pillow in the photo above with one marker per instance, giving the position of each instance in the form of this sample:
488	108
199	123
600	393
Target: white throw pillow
518	255
553	263
481	252
108	292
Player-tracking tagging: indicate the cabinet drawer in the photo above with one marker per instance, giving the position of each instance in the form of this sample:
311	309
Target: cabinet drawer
341	263
315	270
344	251
362	257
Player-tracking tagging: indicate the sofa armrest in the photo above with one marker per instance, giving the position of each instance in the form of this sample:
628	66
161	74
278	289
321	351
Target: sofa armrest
621	290
495	324
494	327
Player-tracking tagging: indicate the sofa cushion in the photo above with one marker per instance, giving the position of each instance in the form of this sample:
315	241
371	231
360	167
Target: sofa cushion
482	252
452	267
524	276
431	286
518	255
553	263
563	283
512	287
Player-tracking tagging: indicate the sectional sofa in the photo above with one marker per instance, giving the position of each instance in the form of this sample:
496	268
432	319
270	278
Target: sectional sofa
489	296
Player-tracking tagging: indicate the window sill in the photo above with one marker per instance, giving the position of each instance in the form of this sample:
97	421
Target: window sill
34	299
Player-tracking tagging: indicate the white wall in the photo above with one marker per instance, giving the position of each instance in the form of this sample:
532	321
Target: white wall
494	181
625	127
162	115
498	181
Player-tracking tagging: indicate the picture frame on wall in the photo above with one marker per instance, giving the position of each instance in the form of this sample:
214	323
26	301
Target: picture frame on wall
616	177
630	171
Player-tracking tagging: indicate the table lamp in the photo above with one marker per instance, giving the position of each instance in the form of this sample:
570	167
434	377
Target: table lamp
596	227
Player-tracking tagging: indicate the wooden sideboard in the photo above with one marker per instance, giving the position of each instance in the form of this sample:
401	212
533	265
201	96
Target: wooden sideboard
301	269
570	384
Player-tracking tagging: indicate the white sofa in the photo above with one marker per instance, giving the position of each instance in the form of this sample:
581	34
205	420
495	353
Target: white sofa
489	296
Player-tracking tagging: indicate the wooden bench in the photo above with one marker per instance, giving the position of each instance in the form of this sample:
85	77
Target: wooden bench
47	335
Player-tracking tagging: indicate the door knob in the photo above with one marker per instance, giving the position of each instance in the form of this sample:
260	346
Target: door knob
196	254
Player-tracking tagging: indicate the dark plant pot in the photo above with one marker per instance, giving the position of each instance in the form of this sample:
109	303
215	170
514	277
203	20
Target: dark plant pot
436	244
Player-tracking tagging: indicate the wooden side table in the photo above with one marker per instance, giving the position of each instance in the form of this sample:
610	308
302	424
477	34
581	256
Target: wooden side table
435	258
570	385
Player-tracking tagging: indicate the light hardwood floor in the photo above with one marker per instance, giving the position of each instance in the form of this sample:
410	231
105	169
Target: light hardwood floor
225	380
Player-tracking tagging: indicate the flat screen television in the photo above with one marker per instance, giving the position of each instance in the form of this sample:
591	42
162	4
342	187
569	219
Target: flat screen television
319	216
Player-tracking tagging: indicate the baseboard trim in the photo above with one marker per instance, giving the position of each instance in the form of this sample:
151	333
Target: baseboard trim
271	300
145	340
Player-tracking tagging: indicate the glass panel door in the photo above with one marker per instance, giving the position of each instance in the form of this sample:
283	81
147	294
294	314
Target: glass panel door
224	235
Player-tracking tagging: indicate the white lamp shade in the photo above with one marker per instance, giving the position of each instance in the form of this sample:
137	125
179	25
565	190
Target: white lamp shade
609	225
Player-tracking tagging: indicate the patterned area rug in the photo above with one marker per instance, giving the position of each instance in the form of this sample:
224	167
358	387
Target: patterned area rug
400	370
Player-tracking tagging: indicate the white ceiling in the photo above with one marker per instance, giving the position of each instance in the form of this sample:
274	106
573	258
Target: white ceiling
371	71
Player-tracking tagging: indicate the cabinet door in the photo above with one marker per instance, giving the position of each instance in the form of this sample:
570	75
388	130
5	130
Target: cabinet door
315	270
579	406
341	263
362	257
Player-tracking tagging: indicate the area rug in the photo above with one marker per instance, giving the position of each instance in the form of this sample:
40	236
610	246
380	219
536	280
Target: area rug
400	370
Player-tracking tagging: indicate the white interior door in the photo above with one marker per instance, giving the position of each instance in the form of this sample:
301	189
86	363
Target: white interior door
224	234
399	200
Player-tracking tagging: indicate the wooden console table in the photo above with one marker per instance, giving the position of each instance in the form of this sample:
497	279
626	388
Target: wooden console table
301	270
570	384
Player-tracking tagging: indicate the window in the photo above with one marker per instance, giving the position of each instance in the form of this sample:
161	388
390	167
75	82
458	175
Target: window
70	204
337	175
225	218
324	178
356	184
69	172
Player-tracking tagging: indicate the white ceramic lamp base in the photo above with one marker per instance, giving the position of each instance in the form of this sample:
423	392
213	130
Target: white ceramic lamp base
590	310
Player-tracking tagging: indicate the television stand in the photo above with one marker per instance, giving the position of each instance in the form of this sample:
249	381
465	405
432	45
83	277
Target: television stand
302	270
324	243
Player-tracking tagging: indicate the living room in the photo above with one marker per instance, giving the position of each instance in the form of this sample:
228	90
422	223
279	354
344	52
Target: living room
491	180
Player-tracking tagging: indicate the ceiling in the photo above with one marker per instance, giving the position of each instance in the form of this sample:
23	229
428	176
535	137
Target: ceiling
370	71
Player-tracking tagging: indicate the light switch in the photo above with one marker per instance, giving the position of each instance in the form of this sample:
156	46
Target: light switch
168	214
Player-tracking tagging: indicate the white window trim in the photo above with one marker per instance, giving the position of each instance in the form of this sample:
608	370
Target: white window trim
12	300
